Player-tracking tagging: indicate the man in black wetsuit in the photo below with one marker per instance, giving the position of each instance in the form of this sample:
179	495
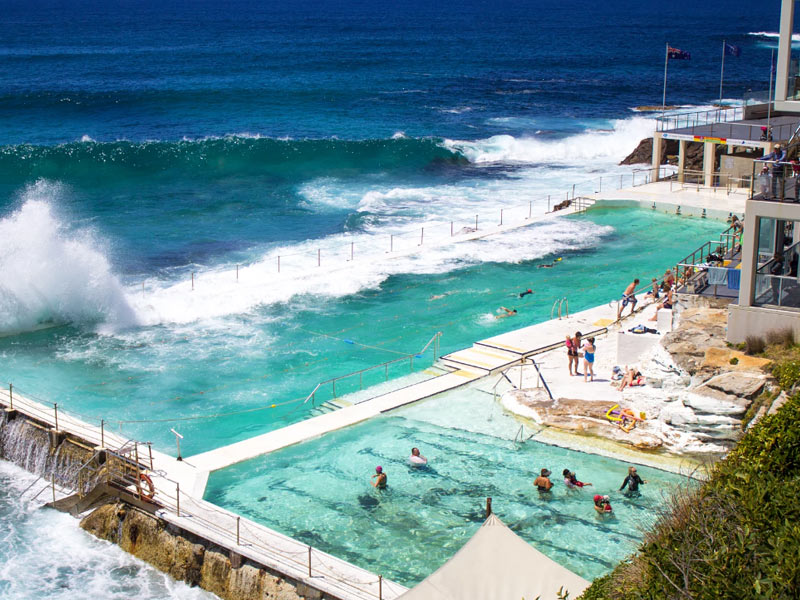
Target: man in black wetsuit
632	482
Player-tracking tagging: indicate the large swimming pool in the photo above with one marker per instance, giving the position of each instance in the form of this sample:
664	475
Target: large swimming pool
156	377
320	492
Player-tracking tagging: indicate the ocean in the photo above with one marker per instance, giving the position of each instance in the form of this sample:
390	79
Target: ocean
158	161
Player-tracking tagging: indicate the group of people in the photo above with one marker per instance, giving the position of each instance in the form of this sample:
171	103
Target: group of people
380	479
602	504
575	351
661	294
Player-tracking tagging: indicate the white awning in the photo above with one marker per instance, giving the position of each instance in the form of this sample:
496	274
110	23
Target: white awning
497	564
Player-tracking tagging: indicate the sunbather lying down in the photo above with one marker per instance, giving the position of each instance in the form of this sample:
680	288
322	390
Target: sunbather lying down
632	378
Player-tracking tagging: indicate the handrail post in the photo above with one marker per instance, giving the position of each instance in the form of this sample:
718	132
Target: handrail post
476	222
178	497
279	263
55	412
530	208
102	433
238	518
421	236
501	217
150	450
11	395
309	561
380	587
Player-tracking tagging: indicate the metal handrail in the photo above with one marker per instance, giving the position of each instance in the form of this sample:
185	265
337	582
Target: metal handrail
410	357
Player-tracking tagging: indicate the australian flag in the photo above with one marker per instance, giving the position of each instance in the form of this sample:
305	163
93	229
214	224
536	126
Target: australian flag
731	50
676	54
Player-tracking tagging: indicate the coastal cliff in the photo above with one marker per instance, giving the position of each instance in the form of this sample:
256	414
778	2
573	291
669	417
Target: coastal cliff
643	154
191	559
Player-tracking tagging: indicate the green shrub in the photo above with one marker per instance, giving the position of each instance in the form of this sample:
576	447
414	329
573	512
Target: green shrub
736	536
787	373
734	361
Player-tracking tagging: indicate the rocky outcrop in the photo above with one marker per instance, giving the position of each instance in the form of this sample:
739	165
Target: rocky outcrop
643	154
700	329
582	417
193	560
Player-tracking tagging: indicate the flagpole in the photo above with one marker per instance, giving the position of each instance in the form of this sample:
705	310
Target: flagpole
721	72
664	96
769	92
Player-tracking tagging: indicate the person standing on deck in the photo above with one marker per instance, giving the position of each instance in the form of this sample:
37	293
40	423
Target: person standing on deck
628	297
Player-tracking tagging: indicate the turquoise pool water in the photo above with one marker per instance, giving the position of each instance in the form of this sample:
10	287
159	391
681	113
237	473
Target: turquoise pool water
320	493
152	377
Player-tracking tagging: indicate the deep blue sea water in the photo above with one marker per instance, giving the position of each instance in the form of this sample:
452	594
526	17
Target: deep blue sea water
141	142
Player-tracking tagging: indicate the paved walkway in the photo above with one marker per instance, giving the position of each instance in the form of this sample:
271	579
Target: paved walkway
668	196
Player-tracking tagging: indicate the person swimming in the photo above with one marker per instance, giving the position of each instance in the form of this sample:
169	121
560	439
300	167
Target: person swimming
380	479
509	312
525	293
571	480
416	459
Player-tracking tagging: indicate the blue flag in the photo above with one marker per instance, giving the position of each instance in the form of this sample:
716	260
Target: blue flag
676	54
731	50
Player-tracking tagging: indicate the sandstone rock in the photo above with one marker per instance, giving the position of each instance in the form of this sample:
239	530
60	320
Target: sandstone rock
777	403
738	388
720	358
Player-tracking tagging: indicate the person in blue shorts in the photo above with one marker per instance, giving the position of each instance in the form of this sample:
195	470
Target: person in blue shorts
628	297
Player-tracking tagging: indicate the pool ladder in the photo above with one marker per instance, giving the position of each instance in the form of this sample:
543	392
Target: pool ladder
560	303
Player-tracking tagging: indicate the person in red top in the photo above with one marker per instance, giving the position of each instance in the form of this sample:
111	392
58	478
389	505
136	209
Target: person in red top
571	480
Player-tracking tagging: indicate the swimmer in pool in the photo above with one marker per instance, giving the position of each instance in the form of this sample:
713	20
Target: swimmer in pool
416	459
379	478
509	312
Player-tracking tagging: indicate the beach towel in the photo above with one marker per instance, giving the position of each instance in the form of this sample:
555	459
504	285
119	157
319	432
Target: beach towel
717	275
734	279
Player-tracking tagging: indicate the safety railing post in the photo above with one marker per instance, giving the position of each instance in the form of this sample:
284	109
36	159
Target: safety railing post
530	208
53	486
279	263
391	243
601	184
11	396
319	256
55	413
380	587
237	529
150	451
192	280
451	229
237	272
309	561
178	498
476	222
387	372
102	433
501	217
421	236
352	250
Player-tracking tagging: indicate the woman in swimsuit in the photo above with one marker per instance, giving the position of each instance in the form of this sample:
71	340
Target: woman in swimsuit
570	352
588	359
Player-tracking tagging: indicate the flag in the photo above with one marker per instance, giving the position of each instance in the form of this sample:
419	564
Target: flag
731	50
676	54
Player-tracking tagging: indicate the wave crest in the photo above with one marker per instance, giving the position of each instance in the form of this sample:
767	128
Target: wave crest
52	275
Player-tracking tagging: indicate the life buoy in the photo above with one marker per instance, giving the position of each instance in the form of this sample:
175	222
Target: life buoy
144	478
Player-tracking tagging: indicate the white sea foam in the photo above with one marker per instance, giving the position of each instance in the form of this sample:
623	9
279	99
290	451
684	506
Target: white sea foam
86	138
772	34
45	554
607	146
53	274
218	293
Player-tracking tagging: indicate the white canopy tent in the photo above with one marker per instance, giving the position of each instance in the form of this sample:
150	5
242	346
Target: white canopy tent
496	564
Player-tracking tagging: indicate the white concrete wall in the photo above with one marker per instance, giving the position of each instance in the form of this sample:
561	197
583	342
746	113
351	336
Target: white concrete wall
744	321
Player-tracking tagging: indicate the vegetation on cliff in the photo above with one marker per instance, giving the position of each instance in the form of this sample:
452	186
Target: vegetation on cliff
737	535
